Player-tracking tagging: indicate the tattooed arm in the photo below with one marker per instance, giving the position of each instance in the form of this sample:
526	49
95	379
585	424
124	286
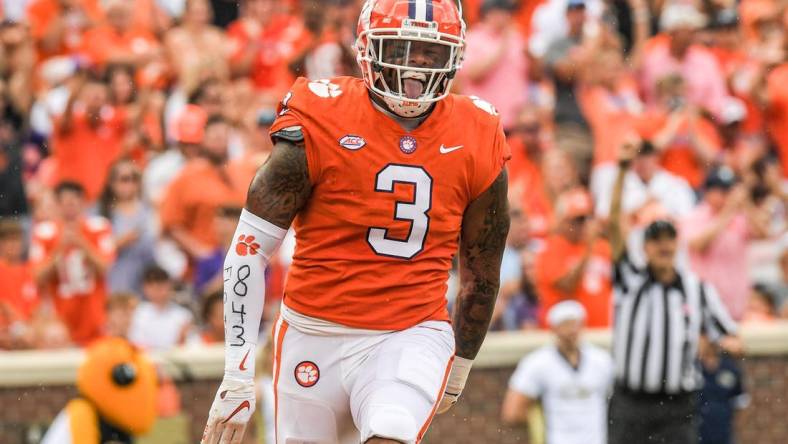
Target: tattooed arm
278	192
281	187
484	229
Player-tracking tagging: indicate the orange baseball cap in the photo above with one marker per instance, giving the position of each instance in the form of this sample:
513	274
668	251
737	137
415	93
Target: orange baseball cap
190	124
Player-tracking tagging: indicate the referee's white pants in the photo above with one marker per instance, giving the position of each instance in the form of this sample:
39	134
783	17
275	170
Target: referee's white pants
385	385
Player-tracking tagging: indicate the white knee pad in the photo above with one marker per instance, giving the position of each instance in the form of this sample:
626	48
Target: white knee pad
391	422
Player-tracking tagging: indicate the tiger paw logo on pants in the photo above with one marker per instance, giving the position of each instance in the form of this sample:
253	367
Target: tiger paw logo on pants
307	374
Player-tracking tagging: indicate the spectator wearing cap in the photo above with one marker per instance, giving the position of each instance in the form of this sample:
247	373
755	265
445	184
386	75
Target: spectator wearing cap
188	128
675	52
495	56
207	182
660	314
572	379
717	233
574	263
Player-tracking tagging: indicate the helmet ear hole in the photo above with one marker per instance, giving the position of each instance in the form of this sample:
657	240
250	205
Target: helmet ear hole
124	374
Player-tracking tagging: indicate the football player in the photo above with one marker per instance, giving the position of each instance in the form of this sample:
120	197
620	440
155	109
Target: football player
381	178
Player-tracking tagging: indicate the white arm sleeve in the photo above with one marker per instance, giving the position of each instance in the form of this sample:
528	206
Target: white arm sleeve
254	242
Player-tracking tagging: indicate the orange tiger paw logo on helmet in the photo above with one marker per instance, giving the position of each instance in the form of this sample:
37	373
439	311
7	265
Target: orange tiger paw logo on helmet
246	245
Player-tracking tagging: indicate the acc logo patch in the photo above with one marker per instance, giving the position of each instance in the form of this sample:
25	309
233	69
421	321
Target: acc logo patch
352	142
307	374
325	89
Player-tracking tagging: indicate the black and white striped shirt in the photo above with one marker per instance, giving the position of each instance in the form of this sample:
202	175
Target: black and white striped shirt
657	328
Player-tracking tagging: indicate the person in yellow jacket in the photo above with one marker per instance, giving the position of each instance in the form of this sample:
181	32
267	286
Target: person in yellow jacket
117	397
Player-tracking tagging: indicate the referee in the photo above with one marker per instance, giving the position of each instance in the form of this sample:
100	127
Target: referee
660	314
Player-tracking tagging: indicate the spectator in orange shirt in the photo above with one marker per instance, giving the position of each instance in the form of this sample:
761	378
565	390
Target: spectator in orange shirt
687	141
206	183
575	262
263	43
70	257
116	39
58	26
18	294
324	51
777	111
558	175
142	108
88	137
17	286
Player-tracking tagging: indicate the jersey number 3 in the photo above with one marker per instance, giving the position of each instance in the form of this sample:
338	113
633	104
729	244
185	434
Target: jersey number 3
414	211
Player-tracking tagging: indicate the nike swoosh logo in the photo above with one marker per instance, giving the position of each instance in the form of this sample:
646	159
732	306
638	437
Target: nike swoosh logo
242	365
244	405
445	150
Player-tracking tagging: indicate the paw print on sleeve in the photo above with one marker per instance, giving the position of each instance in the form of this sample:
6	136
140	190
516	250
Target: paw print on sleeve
246	245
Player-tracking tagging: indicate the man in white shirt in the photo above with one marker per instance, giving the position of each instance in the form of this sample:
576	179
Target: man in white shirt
572	380
645	182
159	323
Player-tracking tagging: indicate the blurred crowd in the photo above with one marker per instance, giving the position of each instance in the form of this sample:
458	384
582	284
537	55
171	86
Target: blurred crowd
130	130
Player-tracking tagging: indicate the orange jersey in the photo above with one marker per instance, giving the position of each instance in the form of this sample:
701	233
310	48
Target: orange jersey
18	288
78	291
375	241
594	290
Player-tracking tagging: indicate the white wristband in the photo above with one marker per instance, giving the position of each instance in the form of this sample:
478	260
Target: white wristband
460	369
254	242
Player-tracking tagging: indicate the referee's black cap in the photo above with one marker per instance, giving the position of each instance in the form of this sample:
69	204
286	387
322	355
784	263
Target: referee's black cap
660	228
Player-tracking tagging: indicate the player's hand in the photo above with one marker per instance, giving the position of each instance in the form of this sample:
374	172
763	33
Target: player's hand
458	375
447	402
232	409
